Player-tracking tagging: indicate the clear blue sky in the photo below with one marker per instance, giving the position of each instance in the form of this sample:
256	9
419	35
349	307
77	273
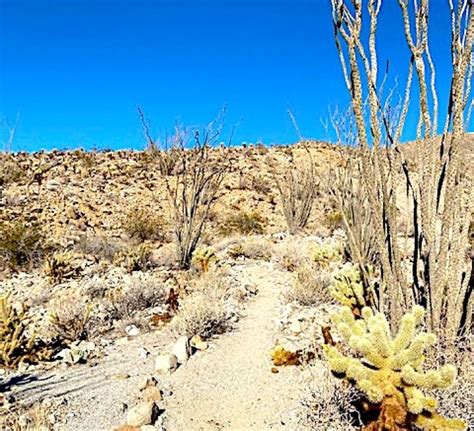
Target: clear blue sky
76	69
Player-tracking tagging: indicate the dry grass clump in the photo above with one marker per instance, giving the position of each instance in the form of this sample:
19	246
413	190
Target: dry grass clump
243	222
41	416
142	296
21	243
311	286
257	248
99	247
328	404
144	224
291	253
203	311
71	318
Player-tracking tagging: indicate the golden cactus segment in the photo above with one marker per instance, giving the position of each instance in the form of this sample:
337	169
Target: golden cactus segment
390	367
203	257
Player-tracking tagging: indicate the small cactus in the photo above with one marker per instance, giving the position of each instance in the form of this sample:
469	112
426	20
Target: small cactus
134	259
203	257
60	266
16	344
390	370
326	253
348	289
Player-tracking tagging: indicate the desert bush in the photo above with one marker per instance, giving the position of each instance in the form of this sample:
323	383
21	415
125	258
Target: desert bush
291	253
135	258
21	243
17	343
42	416
311	286
70	318
100	247
252	248
243	222
329	404
139	297
144	224
333	220
60	266
388	369
203	311
203	257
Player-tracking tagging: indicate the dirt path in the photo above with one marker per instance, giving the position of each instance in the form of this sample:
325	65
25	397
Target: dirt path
232	387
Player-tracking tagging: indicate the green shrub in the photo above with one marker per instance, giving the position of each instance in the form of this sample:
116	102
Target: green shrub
243	222
21	243
144	224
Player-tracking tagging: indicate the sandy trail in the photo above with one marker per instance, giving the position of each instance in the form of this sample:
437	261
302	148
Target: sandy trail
232	387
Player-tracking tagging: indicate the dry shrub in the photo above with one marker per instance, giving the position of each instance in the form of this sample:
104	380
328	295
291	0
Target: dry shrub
41	416
137	298
291	253
71	318
243	222
60	266
203	311
144	224
21	243
458	399
333	220
311	286
328	404
99	247
253	248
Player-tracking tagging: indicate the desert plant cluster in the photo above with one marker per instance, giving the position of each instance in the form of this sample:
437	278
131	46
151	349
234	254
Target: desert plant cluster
371	235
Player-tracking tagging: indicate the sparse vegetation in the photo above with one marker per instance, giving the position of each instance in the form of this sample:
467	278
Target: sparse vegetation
311	286
71	318
245	223
135	258
298	191
17	343
21	243
60	266
144	224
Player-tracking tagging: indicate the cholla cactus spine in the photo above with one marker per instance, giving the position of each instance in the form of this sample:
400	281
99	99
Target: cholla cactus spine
391	367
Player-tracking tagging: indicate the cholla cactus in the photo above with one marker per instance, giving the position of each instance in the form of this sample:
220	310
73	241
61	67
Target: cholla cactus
348	289
202	258
134	259
16	344
326	253
60	266
390	370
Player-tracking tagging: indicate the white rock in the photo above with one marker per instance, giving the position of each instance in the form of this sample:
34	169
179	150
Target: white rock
147	428
143	353
132	330
181	349
142	414
166	363
198	343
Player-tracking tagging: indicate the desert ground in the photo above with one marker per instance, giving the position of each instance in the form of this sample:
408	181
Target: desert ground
116	336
